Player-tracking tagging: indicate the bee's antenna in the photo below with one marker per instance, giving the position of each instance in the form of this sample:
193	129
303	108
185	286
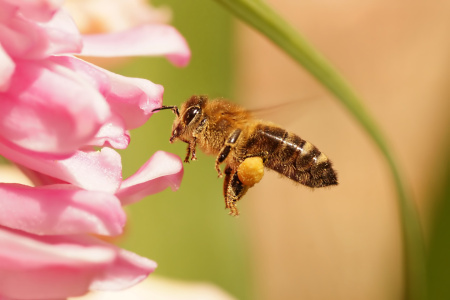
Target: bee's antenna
174	108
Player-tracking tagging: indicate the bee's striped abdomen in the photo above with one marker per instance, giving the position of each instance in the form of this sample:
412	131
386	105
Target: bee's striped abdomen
294	157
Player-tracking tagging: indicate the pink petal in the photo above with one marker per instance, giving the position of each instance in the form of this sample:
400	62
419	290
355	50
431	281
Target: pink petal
60	209
112	134
93	170
50	109
162	170
27	39
38	10
7	67
131	99
62	34
128	270
50	267
150	39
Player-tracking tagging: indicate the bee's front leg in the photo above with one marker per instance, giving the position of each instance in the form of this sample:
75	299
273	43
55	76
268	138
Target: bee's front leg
191	148
193	142
188	153
233	190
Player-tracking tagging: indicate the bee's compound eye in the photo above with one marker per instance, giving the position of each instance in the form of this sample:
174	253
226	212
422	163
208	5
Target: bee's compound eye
190	114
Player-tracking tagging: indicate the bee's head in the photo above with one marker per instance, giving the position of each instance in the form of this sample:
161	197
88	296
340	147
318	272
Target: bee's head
187	118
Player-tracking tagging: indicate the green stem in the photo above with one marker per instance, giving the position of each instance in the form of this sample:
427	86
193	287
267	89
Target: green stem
259	15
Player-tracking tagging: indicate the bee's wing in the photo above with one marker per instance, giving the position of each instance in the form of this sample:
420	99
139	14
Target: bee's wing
284	112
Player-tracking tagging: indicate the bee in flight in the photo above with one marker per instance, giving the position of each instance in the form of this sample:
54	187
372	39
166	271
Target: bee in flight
246	145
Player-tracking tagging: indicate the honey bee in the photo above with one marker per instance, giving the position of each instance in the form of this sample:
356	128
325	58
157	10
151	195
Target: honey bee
246	145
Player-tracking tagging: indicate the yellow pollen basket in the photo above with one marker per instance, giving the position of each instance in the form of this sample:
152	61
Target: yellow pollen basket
251	171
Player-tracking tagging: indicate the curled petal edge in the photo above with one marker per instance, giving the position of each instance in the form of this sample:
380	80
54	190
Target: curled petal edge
162	170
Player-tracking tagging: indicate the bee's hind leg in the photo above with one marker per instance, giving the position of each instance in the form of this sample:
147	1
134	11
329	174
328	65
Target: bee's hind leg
233	190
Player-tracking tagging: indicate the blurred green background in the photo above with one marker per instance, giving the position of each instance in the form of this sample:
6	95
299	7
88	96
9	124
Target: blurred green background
188	232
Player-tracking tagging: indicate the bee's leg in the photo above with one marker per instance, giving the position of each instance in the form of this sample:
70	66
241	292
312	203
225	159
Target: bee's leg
221	157
223	154
226	182
191	148
196	132
234	189
188	152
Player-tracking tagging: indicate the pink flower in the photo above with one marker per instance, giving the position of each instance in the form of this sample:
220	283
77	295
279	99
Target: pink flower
54	108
